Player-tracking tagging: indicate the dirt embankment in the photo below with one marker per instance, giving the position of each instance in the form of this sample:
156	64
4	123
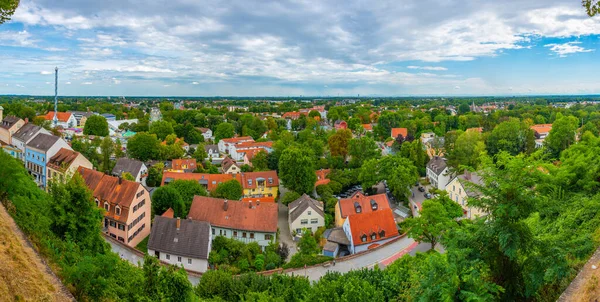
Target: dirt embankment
23	274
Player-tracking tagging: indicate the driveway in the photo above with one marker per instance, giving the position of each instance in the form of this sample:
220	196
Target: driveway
381	257
417	198
285	236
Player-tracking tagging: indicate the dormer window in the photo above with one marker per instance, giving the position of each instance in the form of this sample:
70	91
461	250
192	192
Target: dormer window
381	234
373	236
374	205
363	238
97	202
106	206
270	180
118	210
357	207
249	182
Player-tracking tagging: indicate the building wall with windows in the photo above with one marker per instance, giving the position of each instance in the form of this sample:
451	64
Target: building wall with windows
456	192
262	238
192	264
137	225
309	219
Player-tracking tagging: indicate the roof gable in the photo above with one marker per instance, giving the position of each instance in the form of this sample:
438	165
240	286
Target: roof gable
349	206
232	214
191	239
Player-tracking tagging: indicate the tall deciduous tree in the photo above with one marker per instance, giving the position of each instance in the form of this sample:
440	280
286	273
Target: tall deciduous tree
7	9
224	130
167	197
399	172
338	143
362	149
187	189
96	125
231	189
562	134
260	161
511	136
162	129
466	151
107	148
592	7
296	170
143	146
434	220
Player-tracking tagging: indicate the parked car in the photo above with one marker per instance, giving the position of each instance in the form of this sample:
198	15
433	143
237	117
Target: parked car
421	189
427	195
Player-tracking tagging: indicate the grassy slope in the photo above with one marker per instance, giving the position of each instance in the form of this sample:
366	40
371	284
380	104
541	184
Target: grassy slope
22	274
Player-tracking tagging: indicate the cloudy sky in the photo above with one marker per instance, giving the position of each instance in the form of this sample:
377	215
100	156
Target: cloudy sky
288	48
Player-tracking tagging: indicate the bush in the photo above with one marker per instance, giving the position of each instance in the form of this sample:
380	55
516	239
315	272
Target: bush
289	197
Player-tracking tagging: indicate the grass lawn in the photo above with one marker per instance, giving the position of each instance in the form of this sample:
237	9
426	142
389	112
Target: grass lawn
143	245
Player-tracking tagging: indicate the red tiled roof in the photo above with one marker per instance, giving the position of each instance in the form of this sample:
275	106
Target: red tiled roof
62	159
294	115
164	143
169	213
250	153
210	180
238	140
322	177
190	163
259	199
238	216
541	128
253	176
397	131
374	222
347	205
107	188
477	129
368	127
61	116
254	145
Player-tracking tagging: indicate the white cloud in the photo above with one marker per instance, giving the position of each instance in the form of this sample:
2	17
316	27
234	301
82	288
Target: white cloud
87	83
456	87
116	81
432	68
195	83
45	72
68	83
562	50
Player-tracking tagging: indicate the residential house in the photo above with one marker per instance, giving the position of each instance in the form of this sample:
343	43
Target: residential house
183	165
24	135
136	168
294	115
477	129
65	119
541	132
155	115
229	166
38	152
395	132
336	241
81	117
226	143
8	127
460	189
64	164
359	204
212	151
237	151
368	127
259	199
369	230
109	117
113	125
305	213
339	125
438	173
126	205
209	181
259	184
244	221
322	175
207	133
181	242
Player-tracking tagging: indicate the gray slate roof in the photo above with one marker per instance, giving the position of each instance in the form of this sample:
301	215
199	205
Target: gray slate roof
298	206
43	142
191	240
9	121
127	165
336	235
437	165
471	177
214	148
27	132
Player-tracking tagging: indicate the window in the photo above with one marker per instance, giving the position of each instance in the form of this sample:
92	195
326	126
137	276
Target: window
118	210
314	220
121	227
178	259
270	180
168	257
268	236
106	206
304	221
234	233
251	235
309	212
244	235
249	182
298	231
97	202
213	231
220	232
189	260
373	236
113	224
363	238
381	234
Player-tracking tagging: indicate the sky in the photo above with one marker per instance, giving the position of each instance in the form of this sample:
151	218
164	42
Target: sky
293	48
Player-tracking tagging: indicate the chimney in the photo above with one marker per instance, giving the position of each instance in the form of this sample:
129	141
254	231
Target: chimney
225	205
26	120
178	223
120	179
257	202
250	204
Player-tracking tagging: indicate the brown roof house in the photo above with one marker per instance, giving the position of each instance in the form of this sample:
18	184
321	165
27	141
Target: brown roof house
369	230
126	206
243	221
181	242
9	126
305	213
359	204
229	166
64	164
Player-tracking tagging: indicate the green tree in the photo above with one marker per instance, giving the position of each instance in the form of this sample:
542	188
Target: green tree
96	125
76	215
289	197
155	175
355	125
175	285
119	149
167	197
466	151
7	9
161	129
200	154
231	189
399	172
307	244
338	143
143	146
187	189
314	113
562	134
224	130
127	176
463	108
511	136
592	7
296	170
362	149
433	221
260	161
107	148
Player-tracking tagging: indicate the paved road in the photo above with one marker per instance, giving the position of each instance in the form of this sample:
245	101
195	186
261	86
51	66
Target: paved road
285	235
417	198
382	257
